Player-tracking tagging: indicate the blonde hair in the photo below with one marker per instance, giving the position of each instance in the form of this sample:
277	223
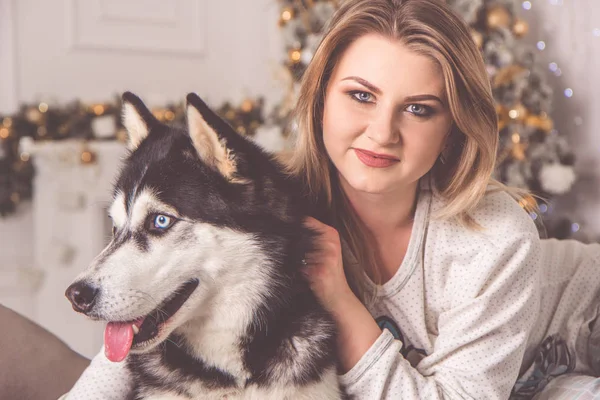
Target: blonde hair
428	27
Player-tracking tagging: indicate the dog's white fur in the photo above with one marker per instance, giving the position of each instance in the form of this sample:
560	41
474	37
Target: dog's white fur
227	308
135	125
156	273
327	389
133	281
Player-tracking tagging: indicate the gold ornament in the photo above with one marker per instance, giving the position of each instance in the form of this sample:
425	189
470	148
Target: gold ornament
159	114
520	28
542	122
518	151
169	115
477	38
547	124
286	15
507	74
98	109
247	105
501	124
498	17
230	114
241	130
88	157
295	56
4	133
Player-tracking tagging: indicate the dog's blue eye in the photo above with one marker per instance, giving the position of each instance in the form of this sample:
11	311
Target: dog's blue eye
162	221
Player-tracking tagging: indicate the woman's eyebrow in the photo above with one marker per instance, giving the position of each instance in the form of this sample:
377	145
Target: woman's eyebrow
365	83
376	90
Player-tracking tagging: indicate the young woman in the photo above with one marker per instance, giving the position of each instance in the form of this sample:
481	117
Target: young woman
437	291
398	131
444	289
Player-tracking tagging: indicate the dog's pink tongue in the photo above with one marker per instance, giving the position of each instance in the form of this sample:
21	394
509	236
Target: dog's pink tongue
118	337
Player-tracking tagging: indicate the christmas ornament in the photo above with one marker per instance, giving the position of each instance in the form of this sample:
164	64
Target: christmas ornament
286	15
520	28
477	38
88	157
498	16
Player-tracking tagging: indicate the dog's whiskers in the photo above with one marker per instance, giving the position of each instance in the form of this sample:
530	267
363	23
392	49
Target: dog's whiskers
147	296
174	342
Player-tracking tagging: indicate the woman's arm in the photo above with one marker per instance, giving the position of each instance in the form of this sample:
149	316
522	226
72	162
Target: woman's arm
103	379
481	339
357	330
34	364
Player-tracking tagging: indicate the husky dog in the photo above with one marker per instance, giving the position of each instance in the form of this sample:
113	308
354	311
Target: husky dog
201	284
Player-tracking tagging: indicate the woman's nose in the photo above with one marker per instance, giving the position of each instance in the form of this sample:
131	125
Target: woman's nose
383	128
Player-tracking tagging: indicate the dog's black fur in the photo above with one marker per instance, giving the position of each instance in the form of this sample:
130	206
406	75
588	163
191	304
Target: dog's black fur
259	199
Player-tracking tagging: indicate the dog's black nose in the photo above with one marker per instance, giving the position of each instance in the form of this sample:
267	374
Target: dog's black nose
82	296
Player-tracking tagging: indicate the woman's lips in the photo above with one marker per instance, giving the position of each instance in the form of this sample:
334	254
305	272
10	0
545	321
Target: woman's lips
375	160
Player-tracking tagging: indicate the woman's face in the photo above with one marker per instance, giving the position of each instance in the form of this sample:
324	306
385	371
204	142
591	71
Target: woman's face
385	118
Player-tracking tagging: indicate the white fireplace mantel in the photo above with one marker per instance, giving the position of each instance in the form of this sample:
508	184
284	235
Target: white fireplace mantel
70	228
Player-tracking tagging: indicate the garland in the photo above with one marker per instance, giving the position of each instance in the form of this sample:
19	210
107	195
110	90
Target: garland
78	120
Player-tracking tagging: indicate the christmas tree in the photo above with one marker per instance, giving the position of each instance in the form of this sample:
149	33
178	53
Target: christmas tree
532	155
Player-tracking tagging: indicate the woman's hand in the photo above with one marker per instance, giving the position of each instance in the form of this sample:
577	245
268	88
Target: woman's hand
324	267
357	330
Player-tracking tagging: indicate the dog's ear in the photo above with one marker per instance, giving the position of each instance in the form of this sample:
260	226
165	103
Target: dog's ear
137	119
212	137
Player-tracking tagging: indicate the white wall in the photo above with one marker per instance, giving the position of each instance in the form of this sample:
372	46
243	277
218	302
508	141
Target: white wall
93	49
567	28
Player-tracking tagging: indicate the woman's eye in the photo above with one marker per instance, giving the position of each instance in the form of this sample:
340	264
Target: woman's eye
162	221
419	110
363	97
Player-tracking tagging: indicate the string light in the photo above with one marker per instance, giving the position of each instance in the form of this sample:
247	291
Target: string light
568	92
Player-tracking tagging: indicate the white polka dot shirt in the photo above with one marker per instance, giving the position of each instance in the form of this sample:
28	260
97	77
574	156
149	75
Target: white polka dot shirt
468	309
